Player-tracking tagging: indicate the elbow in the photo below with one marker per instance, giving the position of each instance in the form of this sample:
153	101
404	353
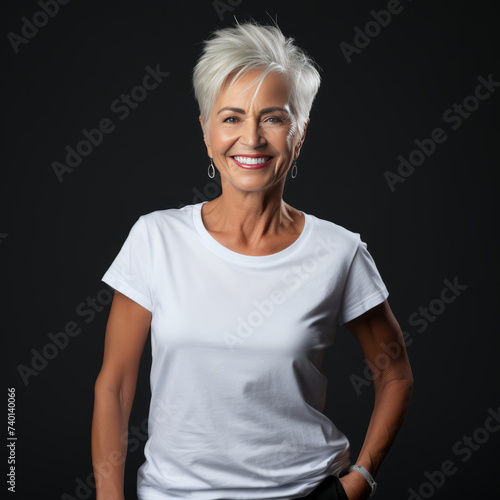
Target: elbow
402	382
407	386
408	379
405	389
106	385
115	388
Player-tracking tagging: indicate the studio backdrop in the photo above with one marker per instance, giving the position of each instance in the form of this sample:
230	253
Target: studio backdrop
101	127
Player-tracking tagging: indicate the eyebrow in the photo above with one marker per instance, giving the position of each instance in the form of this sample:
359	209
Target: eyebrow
262	111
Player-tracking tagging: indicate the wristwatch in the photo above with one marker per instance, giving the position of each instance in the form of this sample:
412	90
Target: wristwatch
366	475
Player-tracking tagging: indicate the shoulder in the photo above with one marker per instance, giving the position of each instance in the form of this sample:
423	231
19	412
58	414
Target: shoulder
170	217
334	234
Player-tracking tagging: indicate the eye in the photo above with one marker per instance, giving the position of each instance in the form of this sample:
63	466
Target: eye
231	119
274	119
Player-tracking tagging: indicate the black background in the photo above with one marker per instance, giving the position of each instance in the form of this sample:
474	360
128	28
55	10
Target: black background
58	238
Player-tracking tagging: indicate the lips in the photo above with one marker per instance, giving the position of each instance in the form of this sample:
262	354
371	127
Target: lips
251	162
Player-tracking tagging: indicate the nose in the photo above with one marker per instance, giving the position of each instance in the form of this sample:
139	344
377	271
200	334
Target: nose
251	135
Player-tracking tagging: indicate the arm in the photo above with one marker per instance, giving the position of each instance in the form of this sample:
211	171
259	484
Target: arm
126	333
393	384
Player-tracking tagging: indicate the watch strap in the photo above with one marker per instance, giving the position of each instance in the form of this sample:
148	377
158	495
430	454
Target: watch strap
366	475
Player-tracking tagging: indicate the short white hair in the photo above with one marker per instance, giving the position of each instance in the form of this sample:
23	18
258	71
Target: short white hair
251	46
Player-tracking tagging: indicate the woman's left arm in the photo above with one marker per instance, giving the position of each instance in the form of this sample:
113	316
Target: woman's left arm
382	342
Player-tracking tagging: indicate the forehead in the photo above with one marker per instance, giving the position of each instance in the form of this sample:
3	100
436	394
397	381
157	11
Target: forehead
273	90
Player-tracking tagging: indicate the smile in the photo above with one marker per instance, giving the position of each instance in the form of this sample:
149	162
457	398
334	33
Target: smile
251	162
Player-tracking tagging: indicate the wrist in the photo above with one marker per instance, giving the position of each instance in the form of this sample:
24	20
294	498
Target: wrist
361	471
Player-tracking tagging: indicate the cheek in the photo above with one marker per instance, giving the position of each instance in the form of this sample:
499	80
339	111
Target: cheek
222	139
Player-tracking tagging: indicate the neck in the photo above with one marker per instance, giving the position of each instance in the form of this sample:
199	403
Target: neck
249	218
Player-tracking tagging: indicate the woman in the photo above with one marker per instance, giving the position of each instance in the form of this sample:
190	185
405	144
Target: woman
243	294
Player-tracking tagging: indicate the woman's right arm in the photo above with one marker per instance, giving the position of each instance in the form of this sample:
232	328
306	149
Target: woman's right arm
126	333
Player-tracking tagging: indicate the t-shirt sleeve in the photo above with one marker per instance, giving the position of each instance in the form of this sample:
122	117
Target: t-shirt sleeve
130	271
363	288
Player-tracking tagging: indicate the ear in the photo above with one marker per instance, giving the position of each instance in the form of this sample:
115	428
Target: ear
205	138
301	141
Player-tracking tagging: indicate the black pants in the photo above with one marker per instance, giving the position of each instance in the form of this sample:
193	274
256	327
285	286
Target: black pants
329	489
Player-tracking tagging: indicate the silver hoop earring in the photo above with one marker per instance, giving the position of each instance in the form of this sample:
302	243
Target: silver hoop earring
293	173
211	169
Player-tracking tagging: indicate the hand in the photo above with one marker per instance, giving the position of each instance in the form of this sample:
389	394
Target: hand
355	485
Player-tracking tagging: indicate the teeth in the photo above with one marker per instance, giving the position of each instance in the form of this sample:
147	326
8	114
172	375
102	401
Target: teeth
245	160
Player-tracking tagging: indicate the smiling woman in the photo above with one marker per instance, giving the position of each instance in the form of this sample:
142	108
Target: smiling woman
251	137
243	294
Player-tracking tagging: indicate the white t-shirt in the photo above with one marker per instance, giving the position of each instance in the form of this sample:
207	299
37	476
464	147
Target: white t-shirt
237	386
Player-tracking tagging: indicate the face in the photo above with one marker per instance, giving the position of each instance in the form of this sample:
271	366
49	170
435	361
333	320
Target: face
253	143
